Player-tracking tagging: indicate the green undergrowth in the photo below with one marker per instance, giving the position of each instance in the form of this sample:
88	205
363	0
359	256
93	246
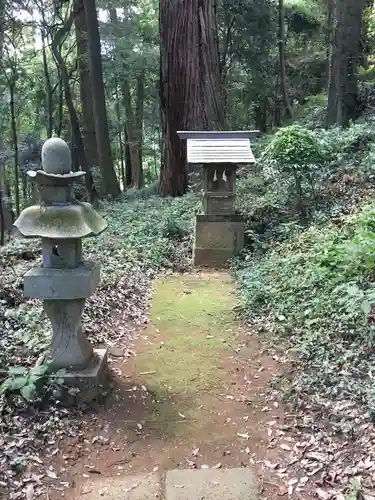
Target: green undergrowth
191	322
310	283
317	290
151	232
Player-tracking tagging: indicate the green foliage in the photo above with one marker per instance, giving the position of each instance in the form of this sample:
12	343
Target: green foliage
317	288
294	153
142	231
28	382
292	148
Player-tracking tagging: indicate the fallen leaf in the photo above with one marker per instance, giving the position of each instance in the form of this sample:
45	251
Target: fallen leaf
51	474
245	436
30	492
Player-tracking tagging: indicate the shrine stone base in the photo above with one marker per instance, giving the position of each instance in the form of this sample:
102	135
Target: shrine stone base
217	239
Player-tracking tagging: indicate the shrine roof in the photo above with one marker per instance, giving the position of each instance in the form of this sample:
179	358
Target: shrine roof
219	147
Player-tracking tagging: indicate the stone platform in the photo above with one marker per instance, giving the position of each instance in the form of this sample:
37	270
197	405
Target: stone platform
189	484
217	239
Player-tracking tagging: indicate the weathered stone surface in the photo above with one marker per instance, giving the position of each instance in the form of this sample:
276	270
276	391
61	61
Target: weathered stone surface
62	284
211	484
70	347
139	487
60	222
93	372
217	241
215	258
223	235
56	156
216	203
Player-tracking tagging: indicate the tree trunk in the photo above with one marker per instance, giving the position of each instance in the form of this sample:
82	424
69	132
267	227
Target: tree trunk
133	133
139	107
133	120
60	107
48	85
119	133
13	121
89	135
128	160
76	133
329	37
105	158
345	60
190	84
283	86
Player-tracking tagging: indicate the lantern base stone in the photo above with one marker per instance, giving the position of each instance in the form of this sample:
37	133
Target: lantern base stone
217	239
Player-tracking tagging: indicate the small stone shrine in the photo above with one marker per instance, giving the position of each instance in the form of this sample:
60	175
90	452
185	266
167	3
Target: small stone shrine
219	231
64	280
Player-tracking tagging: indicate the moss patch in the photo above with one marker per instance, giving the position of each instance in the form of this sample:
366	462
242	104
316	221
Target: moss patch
192	320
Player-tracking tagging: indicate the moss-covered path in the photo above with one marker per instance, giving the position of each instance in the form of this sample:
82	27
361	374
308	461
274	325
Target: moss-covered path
192	395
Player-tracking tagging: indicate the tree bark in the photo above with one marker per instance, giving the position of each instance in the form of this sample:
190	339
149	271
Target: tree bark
105	158
89	134
139	107
190	83
345	60
128	159
132	124
13	121
76	133
283	85
48	85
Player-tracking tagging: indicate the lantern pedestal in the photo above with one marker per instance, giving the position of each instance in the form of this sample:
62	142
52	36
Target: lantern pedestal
217	239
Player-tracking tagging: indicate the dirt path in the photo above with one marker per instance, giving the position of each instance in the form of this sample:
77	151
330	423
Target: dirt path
193	395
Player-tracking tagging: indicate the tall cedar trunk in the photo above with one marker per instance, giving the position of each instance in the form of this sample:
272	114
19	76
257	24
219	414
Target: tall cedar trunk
283	86
48	85
13	120
76	133
139	107
133	124
345	60
190	84
117	33
105	158
329	37
89	135
119	133
2	163
133	120
60	107
128	160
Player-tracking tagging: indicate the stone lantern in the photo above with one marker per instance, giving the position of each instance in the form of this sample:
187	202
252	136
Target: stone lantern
64	280
219	231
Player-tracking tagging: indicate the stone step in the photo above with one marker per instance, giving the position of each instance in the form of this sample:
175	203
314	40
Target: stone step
211	484
134	487
179	484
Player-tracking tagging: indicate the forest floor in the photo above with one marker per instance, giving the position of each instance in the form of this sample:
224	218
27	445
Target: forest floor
192	394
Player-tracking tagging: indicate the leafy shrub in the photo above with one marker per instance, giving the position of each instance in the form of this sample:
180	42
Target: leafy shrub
294	154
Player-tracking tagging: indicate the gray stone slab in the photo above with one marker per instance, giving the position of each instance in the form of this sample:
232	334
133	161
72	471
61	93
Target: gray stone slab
211	484
139	487
62	284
